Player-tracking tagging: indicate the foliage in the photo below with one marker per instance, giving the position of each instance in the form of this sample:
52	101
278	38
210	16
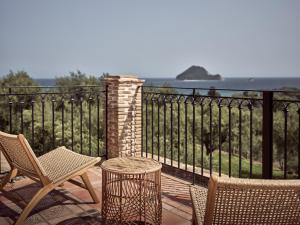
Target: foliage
47	119
213	92
77	79
14	83
197	125
211	132
19	78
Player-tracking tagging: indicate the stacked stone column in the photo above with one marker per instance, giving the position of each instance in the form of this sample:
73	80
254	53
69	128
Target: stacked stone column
124	115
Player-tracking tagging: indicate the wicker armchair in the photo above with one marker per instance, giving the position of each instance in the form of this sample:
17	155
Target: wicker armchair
51	169
246	201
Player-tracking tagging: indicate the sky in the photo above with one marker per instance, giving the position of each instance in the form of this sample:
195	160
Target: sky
157	38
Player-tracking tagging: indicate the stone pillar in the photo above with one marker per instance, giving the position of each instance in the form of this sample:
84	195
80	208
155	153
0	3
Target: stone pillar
124	115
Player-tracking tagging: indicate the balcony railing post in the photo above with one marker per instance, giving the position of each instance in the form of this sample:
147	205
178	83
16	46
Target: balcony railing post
267	151
123	113
106	119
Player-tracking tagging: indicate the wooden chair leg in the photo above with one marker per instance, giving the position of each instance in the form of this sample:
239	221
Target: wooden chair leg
193	219
8	177
34	201
89	187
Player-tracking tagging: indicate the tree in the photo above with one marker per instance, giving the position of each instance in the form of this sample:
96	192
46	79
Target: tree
76	84
20	78
12	105
77	79
213	92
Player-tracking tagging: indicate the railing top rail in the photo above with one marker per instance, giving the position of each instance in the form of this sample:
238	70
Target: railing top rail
205	96
226	89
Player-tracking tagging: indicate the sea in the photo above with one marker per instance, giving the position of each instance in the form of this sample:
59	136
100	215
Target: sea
227	87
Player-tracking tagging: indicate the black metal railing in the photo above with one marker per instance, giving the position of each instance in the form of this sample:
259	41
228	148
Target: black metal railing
251	134
51	116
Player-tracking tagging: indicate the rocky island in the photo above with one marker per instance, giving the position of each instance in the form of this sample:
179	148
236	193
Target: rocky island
197	73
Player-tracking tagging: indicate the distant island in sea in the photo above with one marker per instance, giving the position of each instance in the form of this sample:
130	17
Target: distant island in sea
197	73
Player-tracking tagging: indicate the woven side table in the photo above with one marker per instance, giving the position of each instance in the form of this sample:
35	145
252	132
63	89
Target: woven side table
131	191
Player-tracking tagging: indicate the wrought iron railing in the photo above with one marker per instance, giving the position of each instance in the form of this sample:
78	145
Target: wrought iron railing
51	116
251	134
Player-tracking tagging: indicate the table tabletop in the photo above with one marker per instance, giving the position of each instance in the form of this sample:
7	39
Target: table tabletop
131	165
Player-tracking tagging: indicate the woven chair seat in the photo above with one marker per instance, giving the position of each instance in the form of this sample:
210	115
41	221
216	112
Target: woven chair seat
246	201
199	198
60	162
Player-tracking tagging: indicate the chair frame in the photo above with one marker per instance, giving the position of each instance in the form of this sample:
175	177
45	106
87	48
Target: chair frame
47	184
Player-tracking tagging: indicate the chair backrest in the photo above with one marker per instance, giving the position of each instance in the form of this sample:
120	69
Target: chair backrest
252	201
20	155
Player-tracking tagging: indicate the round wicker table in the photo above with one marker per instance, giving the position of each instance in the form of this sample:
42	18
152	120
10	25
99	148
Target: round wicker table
131	191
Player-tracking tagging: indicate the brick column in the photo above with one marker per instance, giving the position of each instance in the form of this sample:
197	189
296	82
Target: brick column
124	115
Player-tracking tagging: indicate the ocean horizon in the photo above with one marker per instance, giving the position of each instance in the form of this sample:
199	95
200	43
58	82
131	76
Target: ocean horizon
231	83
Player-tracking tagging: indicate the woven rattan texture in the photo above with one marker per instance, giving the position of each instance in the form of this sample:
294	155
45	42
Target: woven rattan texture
199	198
131	165
248	201
131	198
257	202
16	153
61	161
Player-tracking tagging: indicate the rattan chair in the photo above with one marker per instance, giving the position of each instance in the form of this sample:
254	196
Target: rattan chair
51	169
246	201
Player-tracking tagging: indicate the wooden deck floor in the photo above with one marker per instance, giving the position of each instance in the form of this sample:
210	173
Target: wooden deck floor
70	205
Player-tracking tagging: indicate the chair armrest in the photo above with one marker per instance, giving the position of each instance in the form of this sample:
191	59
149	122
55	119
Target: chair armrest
199	198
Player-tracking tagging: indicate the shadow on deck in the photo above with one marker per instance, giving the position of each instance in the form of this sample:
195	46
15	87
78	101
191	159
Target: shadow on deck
69	205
